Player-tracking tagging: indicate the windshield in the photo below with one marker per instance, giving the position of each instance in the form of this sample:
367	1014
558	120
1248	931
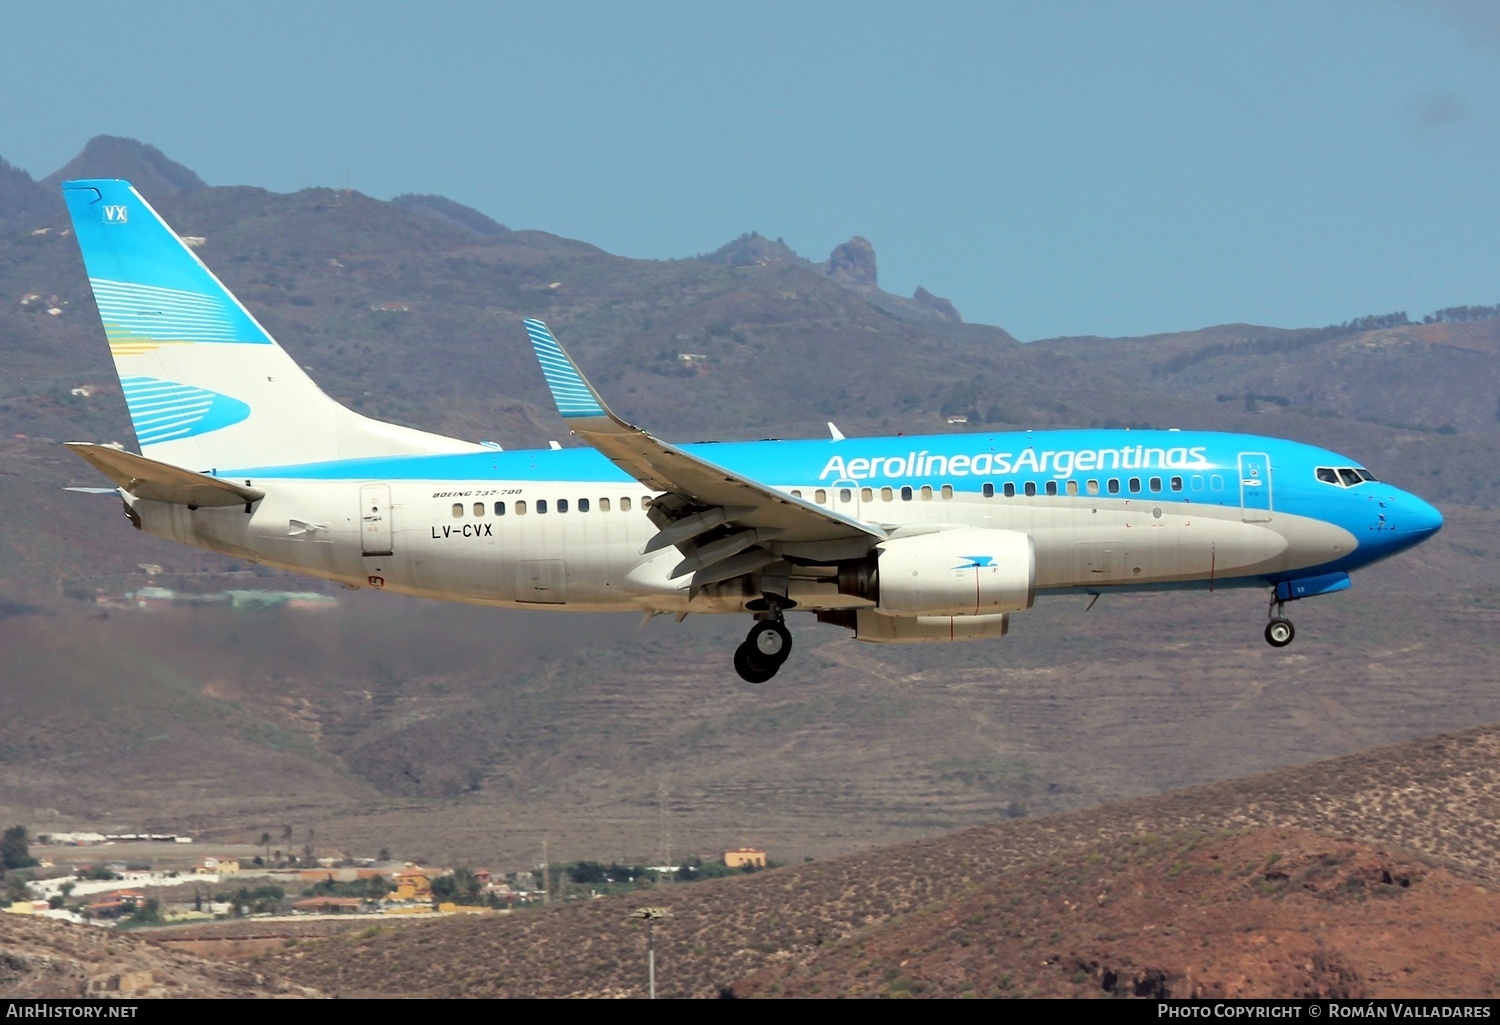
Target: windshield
1344	476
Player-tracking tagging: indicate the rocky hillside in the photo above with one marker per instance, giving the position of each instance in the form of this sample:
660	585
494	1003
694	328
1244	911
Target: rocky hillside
41	960
1232	889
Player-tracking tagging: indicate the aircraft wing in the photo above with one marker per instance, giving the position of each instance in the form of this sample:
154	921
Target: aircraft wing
709	496
159	482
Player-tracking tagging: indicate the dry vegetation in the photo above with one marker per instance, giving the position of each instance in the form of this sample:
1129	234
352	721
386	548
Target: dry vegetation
1182	864
42	959
1258	914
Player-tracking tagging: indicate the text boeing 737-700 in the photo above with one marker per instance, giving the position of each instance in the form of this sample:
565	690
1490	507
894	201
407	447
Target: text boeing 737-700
901	540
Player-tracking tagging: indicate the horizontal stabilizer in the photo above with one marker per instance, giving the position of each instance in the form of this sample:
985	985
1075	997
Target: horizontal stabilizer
159	482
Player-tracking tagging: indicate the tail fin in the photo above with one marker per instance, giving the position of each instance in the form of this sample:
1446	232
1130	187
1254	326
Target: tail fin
206	385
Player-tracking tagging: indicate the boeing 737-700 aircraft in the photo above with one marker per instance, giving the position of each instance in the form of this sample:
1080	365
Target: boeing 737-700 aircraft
902	540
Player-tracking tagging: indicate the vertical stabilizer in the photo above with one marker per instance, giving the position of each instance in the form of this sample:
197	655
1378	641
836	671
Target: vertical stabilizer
206	385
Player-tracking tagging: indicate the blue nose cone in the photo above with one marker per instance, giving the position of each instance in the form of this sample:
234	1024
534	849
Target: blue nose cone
1417	519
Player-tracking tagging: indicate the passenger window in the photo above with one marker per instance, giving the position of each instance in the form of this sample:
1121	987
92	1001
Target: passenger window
820	496
1216	483
499	508
1135	485
645	502
1197	482
1010	489
1350	478
846	494
1052	487
1328	475
947	490
906	494
458	510
1176	483
478	508
1092	487
1155	484
625	504
604	505
796	493
521	507
1114	485
583	505
867	494
887	494
926	492
562	505
989	491
541	506
1072	487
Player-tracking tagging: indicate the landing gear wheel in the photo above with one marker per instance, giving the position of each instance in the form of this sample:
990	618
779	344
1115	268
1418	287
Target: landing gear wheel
751	667
1279	632
770	640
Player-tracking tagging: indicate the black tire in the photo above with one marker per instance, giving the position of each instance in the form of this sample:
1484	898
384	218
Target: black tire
769	641
1279	632
751	669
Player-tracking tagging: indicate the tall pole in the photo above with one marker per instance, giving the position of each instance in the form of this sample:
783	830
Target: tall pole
650	915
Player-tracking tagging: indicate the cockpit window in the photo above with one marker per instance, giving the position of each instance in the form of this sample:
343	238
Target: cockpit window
1344	476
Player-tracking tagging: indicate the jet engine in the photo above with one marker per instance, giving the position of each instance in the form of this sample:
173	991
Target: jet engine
966	571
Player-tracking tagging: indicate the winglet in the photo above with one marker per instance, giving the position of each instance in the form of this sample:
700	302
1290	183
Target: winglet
573	395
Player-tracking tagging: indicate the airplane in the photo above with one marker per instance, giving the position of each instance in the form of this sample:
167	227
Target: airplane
918	539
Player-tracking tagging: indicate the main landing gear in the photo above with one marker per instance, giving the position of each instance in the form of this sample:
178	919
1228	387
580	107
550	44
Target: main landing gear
766	647
1279	631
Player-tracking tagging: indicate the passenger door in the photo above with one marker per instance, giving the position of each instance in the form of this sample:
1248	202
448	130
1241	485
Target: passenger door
375	519
1255	487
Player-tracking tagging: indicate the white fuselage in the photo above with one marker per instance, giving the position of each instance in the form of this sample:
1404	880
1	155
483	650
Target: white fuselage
491	542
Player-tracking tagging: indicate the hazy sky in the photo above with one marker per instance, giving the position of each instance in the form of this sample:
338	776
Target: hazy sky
1055	168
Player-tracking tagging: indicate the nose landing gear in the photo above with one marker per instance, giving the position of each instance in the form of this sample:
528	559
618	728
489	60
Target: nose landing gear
765	648
1279	631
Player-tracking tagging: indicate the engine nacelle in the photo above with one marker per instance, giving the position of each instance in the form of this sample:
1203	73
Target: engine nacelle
870	625
967	571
